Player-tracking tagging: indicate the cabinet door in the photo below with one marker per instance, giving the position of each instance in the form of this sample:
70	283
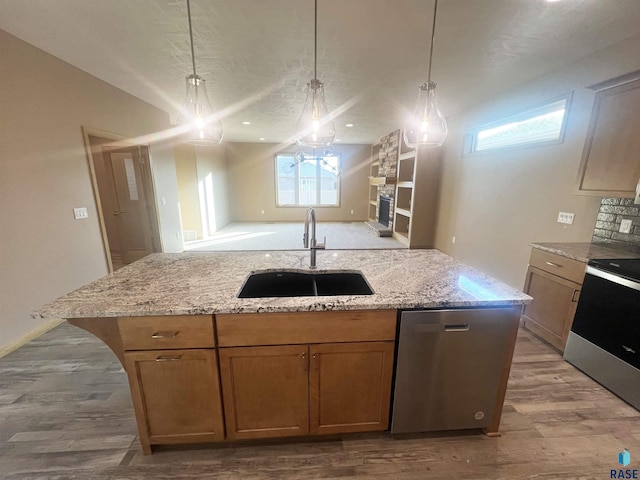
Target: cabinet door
610	163
265	391
350	386
176	396
551	312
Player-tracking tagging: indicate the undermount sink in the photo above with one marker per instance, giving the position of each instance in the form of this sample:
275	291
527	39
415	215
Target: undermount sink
304	284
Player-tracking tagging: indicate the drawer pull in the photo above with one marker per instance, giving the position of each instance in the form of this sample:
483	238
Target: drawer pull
551	264
168	358
165	334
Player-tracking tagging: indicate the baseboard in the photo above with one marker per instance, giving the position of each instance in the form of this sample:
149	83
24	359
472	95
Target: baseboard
16	344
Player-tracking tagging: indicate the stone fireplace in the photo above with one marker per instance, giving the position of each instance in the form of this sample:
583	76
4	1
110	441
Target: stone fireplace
384	210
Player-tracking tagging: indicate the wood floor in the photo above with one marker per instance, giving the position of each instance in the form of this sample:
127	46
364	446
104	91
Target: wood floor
65	413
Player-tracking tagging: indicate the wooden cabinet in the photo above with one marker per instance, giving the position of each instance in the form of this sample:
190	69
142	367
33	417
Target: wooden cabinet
554	282
417	191
254	375
610	165
316	372
176	396
265	391
175	389
350	387
292	390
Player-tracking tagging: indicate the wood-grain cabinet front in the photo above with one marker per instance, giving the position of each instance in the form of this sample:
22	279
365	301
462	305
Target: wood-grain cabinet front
276	375
291	390
330	373
554	282
175	389
610	165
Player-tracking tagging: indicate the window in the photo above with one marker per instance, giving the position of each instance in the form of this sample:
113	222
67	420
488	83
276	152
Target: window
542	125
310	183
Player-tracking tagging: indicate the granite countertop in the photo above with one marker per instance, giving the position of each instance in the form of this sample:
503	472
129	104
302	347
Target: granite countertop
207	283
584	251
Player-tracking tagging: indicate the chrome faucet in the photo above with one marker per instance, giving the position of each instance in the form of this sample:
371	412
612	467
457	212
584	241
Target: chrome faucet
312	244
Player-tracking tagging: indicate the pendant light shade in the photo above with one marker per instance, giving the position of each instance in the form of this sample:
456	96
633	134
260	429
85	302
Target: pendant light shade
315	128
205	127
427	126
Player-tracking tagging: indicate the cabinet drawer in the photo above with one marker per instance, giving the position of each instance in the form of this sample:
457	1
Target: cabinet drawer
166	332
247	329
558	265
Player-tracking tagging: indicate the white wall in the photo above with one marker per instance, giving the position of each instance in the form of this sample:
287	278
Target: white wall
495	204
44	174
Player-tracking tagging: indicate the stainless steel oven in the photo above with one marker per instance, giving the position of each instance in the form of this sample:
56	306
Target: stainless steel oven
604	341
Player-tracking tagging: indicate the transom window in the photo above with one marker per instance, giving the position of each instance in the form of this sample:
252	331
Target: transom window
312	182
540	125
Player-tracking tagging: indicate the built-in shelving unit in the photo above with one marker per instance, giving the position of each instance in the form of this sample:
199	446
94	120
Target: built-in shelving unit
373	188
416	196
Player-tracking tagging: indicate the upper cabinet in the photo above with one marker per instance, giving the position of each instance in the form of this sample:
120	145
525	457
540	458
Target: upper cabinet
611	158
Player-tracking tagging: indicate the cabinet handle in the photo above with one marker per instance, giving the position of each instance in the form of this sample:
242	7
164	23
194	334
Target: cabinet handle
551	264
315	362
305	364
168	358
574	297
165	334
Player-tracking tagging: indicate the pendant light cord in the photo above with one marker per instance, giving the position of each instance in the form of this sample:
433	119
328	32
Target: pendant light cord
315	41
193	56
433	37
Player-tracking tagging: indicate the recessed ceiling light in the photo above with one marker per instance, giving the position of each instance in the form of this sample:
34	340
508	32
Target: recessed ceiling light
246	123
348	125
337	140
261	138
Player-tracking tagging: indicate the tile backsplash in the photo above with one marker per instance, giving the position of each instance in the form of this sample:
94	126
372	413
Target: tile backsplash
612	212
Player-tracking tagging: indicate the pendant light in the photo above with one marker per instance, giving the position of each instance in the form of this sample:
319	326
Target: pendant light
205	127
427	126
314	127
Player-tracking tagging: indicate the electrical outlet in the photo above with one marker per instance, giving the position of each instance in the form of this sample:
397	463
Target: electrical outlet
453	239
625	226
565	217
261	212
351	212
80	213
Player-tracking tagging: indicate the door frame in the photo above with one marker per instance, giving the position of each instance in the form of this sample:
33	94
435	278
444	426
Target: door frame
147	179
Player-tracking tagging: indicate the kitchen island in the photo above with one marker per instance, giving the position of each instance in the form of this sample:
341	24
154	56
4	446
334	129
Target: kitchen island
204	365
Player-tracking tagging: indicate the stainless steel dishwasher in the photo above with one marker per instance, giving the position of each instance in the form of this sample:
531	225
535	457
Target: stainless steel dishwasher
449	365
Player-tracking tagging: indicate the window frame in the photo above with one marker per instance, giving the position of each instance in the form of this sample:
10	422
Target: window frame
471	136
318	179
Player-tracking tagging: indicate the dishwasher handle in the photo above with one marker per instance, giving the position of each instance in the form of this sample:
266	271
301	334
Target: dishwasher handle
457	327
439	327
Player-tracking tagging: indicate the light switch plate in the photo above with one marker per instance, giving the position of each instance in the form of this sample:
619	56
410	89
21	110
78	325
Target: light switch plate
80	213
565	217
625	226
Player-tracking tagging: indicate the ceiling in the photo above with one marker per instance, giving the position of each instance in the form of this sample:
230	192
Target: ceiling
257	55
